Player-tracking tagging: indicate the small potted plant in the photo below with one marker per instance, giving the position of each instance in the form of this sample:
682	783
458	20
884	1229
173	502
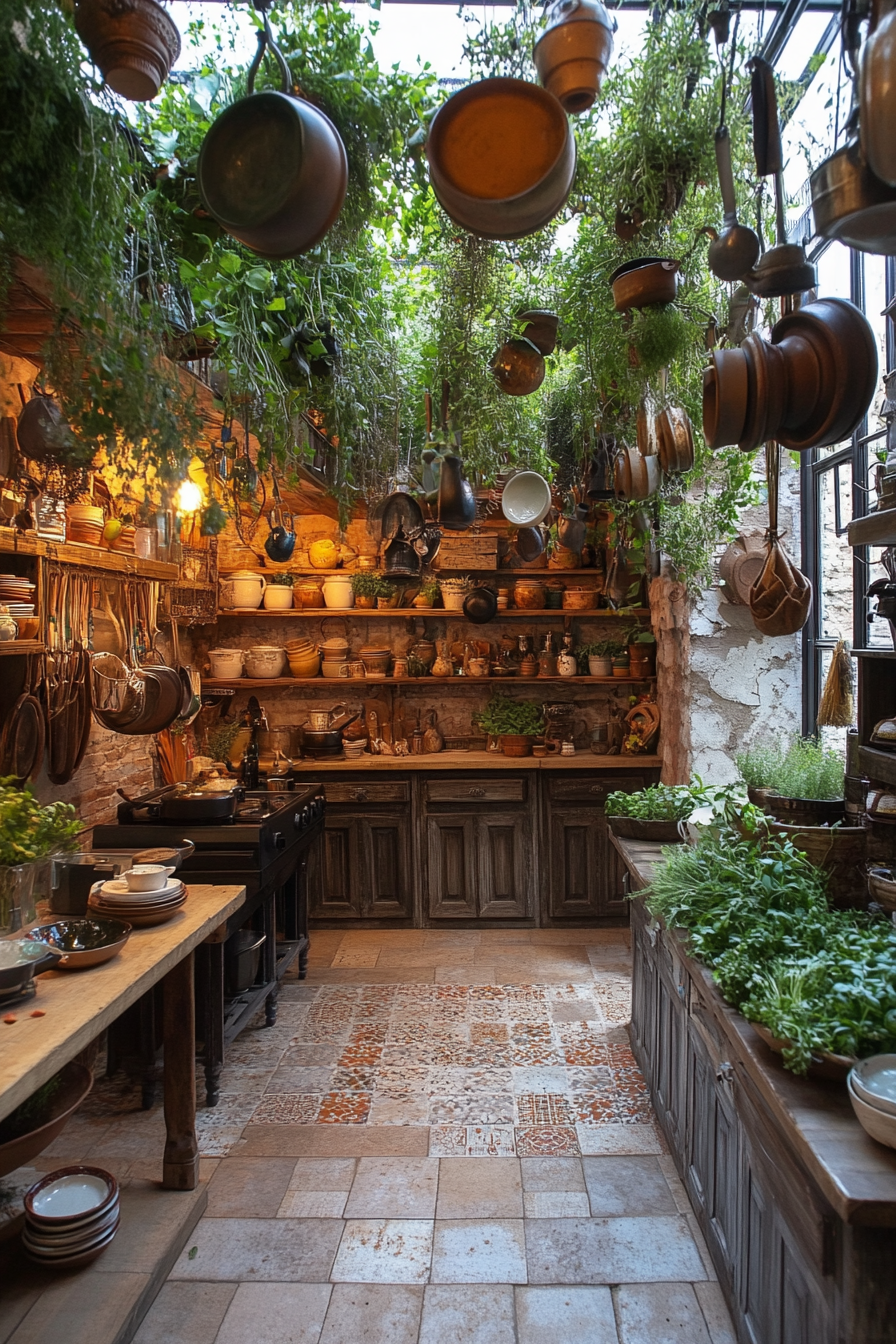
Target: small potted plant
596	658
278	593
653	813
516	723
758	766
366	588
806	785
429	593
387	594
621	663
642	653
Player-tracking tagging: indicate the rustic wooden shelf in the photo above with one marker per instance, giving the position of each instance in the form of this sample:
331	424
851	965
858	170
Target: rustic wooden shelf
875	529
21	647
877	764
238	683
363	613
13	542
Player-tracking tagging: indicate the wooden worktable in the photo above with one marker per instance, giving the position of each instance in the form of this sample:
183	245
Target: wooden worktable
78	1005
479	760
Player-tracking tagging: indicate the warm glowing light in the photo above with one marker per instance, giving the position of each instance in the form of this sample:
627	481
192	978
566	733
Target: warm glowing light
189	498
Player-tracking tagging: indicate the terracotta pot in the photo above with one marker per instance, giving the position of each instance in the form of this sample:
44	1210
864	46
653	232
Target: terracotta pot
573	53
529	596
675	440
364	602
501	157
519	368
516	744
648	280
636	476
642	659
578	599
134	43
308	594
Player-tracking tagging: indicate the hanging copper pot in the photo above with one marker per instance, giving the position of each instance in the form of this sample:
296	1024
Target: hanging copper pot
852	205
501	158
519	367
134	43
541	329
272	169
645	281
675	440
877	99
574	51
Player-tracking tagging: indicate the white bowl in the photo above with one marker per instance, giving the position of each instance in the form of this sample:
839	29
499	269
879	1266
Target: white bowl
147	877
226	662
874	1081
877	1124
265	662
526	499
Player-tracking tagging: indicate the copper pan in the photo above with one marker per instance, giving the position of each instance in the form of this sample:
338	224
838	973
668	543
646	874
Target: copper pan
852	205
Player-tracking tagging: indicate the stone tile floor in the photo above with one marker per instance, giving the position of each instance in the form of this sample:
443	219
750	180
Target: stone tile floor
445	1139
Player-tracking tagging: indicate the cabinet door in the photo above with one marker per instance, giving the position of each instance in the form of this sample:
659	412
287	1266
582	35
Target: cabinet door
451	877
505	865
337	894
384	842
585	872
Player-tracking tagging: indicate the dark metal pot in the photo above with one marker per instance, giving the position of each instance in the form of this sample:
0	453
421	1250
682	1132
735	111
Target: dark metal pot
272	169
852	205
322	739
480	606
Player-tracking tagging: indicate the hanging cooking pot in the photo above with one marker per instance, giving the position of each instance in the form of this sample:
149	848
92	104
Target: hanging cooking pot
877	99
541	328
573	52
501	157
457	504
281	540
851	204
272	169
42	431
644	281
519	367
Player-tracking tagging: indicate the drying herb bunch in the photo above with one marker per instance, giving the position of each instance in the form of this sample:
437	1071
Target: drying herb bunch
756	914
29	832
660	802
504	716
802	769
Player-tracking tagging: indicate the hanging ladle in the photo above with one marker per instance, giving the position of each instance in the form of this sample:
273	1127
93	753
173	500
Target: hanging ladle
734	252
783	269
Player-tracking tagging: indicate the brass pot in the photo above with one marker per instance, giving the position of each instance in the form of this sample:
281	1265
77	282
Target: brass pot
877	100
645	281
851	204
501	158
573	53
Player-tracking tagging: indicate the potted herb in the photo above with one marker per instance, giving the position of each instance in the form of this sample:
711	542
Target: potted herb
278	595
515	722
388	594
757	766
653	813
596	658
642	653
805	784
429	593
29	835
366	588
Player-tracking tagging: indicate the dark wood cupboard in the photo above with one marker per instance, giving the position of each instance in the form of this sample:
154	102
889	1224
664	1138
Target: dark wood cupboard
584	873
366	857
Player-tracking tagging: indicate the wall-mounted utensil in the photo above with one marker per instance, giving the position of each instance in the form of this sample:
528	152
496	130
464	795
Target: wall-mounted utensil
526	499
457	503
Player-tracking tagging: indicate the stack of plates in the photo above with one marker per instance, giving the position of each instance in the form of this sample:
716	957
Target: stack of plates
71	1216
140	908
17	595
872	1091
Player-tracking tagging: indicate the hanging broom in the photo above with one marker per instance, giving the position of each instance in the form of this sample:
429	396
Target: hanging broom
836	709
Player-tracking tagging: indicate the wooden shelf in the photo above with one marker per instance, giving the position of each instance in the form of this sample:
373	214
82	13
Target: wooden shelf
875	529
251	683
877	764
21	646
514	614
13	542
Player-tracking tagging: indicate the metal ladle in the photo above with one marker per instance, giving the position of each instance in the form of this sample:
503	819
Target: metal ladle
734	252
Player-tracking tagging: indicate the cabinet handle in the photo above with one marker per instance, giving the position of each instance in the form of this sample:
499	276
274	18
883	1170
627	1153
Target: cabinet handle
359	795
476	793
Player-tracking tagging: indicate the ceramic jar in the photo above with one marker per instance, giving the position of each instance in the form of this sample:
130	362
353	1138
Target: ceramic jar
308	593
529	595
278	597
265	661
337	591
242	591
226	663
8	628
600	667
574	51
454	591
567	665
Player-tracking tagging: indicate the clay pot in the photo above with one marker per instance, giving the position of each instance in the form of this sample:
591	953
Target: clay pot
635	476
675	440
529	596
501	157
519	367
541	329
134	43
578	599
516	744
637	284
808	387
365	603
573	53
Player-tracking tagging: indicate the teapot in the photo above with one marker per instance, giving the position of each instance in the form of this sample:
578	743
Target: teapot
242	591
281	540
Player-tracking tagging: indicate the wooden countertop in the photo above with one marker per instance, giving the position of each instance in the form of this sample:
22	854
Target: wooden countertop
478	760
856	1175
78	1005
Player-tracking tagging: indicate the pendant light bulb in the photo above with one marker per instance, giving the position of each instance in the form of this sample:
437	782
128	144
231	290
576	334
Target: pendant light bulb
189	497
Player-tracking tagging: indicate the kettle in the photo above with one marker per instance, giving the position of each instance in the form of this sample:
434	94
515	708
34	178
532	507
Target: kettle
281	540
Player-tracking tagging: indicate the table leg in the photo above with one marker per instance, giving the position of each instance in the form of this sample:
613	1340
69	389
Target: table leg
181	1163
214	1022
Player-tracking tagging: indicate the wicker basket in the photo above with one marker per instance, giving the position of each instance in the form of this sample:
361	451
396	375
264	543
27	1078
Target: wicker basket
195	598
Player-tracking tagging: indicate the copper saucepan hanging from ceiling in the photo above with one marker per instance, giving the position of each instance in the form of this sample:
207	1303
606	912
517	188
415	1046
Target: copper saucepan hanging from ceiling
501	157
272	169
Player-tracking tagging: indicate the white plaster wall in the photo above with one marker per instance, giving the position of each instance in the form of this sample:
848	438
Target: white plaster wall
744	685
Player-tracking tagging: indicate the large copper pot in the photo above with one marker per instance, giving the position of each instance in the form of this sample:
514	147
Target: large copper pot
501	157
573	53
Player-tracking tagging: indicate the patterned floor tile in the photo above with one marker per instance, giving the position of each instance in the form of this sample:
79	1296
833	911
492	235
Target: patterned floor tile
593	1108
352	1080
543	1108
344	1108
547	1141
474	1109
472	1141
395	1108
485	1033
410	1078
287	1108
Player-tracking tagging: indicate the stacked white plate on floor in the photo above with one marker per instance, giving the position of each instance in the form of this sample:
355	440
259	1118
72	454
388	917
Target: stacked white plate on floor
71	1216
872	1091
140	908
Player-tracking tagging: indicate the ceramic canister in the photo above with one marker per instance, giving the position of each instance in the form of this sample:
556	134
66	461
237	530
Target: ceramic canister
337	591
242	590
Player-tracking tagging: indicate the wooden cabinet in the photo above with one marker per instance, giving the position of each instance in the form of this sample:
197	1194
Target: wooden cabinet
366	857
583	872
480	865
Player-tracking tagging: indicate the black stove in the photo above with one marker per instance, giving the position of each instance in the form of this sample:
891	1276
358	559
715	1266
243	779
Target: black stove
267	828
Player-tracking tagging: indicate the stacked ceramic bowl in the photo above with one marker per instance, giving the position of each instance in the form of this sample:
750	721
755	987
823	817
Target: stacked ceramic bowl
126	539
872	1091
144	895
17	595
304	659
84	524
375	660
71	1216
333	654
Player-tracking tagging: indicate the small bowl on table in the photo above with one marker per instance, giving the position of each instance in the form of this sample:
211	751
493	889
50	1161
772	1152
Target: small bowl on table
877	1124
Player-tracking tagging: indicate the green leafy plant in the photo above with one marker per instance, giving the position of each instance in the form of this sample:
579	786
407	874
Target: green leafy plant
505	716
366	583
29	831
759	764
598	648
659	802
809	770
281	580
430	590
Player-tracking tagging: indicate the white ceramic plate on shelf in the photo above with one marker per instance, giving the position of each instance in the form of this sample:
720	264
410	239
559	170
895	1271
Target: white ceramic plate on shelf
118	889
68	1196
526	499
874	1082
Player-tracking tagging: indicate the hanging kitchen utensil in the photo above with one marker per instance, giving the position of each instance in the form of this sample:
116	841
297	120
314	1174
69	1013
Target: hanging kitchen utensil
457	504
42	431
635	476
541	328
24	738
877	97
644	282
8	447
401	513
480	605
808	387
574	51
781	597
571	533
272	169
599	475
675	440
518	367
783	269
281	540
734	252
529	543
502	157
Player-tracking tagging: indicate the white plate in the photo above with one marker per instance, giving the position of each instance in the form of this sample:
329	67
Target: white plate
116	888
82	1232
874	1081
64	1253
71	1194
526	499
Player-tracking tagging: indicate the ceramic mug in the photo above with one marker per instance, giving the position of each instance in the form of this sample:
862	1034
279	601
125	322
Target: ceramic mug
146	876
400	667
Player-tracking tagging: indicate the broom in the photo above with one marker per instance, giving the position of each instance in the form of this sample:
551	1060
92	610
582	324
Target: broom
836	709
